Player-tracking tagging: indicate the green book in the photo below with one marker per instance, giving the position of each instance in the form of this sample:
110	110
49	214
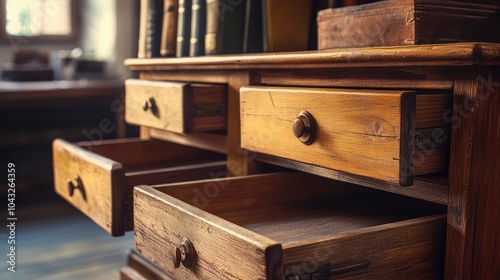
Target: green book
225	26
198	28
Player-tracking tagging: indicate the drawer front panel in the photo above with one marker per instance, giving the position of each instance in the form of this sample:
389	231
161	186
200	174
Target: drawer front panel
87	181
98	179
176	107
270	226
367	133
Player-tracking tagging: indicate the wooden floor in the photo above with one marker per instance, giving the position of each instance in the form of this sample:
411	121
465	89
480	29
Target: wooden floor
57	242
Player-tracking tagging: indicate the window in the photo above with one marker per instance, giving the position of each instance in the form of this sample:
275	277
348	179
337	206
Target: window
38	19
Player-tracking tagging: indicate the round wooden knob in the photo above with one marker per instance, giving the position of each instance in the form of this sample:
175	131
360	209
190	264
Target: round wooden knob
184	253
304	128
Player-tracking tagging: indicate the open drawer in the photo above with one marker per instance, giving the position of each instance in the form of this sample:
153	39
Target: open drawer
176	107
98	178
388	135
287	226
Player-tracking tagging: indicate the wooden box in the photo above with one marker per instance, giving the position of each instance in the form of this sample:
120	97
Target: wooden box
407	22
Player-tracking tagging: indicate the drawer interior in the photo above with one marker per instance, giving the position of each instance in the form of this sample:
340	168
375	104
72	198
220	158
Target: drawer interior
137	155
348	226
292	212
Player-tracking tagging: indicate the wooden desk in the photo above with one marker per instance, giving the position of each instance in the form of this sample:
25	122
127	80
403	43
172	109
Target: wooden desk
469	186
34	113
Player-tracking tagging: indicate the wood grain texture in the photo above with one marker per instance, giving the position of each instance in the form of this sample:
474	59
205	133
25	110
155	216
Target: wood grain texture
110	170
462	201
240	162
407	77
434	189
485	174
173	106
215	142
413	249
208	233
408	22
95	171
458	54
325	214
474	178
359	131
146	268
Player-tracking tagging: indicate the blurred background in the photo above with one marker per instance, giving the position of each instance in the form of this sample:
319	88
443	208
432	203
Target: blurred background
62	76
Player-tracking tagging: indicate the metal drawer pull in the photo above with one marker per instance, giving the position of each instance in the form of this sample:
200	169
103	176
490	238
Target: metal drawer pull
184	254
150	104
304	128
78	186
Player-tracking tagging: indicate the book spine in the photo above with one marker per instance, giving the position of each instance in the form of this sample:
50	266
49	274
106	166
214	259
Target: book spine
198	28
225	26
169	28
183	28
143	29
154	23
252	39
212	25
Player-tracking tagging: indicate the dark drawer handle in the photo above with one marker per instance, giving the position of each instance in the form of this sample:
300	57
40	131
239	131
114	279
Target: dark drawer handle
150	104
304	128
78	186
184	253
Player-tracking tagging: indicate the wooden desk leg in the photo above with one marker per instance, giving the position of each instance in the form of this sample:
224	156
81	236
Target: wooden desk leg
473	212
239	162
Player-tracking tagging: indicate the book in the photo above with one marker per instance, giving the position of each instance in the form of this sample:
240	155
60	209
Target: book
198	28
169	28
225	26
143	28
286	24
183	28
154	23
252	38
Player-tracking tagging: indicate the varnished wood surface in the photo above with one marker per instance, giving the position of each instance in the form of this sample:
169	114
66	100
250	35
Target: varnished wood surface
216	142
475	178
139	267
407	22
470	252
422	55
425	188
362	132
172	106
109	170
281	209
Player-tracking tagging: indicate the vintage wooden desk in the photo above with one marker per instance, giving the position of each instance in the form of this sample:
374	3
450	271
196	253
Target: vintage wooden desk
419	121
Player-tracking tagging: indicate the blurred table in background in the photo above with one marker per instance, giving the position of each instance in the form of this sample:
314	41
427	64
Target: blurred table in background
34	113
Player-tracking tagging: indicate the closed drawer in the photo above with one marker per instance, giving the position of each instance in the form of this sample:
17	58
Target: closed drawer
282	225
386	135
98	178
176	107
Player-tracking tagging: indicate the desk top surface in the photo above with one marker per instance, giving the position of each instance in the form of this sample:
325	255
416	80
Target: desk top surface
456	54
